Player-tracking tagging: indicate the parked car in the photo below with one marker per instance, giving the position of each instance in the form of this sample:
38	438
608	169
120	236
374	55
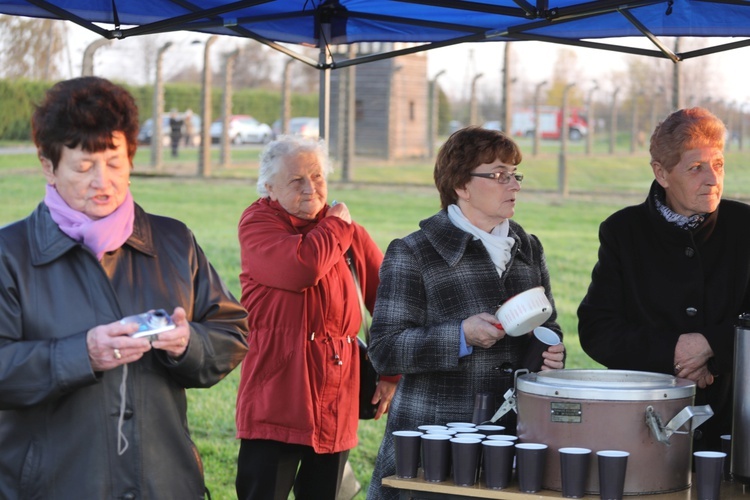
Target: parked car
242	129
276	127
492	125
306	126
147	130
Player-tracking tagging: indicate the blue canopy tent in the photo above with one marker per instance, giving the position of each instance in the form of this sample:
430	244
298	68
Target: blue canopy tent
433	23
425	23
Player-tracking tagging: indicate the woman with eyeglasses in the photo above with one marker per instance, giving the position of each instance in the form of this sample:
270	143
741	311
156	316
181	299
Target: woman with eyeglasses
440	286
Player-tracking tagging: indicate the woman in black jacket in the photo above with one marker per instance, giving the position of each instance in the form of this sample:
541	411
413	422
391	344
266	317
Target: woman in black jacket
674	272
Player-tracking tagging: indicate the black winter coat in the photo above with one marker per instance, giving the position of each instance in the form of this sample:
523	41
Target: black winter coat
59	418
654	281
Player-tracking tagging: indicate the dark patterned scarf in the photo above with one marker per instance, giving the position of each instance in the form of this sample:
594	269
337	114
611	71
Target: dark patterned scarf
681	221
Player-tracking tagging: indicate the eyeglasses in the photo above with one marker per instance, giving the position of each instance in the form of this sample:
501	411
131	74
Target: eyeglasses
501	177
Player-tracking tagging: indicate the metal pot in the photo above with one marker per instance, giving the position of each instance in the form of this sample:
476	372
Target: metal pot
649	415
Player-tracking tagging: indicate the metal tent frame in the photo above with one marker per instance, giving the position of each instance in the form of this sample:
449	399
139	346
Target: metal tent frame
430	23
424	24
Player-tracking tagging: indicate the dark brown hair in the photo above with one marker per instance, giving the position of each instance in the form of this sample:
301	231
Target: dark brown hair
84	111
464	151
683	130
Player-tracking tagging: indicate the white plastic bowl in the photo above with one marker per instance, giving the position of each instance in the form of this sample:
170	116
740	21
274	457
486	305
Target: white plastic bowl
522	313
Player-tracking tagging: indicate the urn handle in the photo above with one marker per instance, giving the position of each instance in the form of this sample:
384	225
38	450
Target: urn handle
695	415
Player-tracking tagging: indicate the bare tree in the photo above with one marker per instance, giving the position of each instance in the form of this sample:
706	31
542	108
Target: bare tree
255	67
699	80
192	74
148	47
565	71
641	86
305	78
31	48
259	66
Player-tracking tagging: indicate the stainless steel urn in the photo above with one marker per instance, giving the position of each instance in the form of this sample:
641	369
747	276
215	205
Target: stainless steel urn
649	415
740	456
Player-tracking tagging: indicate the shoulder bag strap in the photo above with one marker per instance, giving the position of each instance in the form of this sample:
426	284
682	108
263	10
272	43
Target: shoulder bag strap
365	326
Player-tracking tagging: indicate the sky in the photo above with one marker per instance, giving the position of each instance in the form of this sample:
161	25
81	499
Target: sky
727	73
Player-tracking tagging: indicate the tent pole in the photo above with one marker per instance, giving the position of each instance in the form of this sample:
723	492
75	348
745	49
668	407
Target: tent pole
349	135
676	97
324	63
204	151
506	111
663	48
158	109
225	154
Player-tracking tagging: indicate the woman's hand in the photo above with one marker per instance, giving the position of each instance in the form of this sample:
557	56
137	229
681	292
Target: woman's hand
111	345
691	355
554	357
482	330
383	395
341	211
175	341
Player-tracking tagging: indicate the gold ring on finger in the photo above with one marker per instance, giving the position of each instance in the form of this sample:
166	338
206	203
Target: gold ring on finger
118	355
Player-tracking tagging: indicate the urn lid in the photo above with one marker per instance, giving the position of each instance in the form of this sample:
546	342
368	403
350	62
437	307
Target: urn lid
606	385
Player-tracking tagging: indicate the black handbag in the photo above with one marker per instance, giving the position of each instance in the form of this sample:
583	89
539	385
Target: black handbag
368	377
368	381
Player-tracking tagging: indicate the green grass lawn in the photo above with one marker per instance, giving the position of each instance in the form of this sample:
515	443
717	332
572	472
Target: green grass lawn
389	200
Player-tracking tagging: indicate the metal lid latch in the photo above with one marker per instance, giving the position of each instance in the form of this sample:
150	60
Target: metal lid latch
510	398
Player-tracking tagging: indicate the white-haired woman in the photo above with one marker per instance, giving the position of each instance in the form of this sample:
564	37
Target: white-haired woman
297	406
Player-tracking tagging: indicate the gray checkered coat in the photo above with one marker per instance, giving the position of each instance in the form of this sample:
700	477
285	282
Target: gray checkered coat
430	282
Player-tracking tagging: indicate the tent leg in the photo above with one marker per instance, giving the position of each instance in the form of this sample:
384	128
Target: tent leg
324	61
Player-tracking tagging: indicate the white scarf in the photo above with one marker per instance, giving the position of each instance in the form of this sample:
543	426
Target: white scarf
497	242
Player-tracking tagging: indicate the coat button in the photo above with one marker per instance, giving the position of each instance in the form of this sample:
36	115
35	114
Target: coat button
689	252
506	368
691	311
129	496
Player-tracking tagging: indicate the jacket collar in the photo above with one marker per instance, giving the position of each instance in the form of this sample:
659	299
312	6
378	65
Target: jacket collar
701	234
450	242
301	225
48	243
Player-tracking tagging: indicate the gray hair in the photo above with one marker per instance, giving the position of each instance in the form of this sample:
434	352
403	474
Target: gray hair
285	146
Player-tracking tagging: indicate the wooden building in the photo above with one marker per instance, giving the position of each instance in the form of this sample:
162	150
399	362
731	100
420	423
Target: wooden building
391	107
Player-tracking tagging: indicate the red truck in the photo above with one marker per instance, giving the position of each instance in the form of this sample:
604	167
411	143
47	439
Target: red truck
550	123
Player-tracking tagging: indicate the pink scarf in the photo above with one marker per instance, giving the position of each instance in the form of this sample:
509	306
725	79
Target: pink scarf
99	236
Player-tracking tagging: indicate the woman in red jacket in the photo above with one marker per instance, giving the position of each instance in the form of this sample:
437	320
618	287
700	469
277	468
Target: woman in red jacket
298	397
